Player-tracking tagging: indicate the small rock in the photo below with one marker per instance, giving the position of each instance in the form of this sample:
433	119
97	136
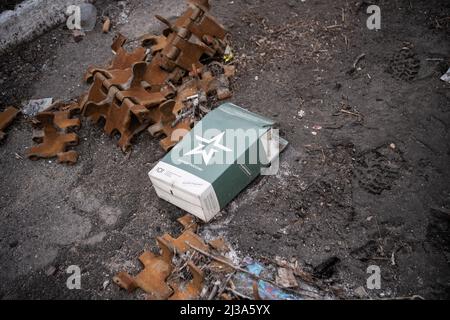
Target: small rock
327	248
33	107
301	114
105	284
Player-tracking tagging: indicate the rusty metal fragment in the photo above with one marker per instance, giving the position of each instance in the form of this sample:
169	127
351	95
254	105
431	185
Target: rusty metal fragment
181	244
53	138
157	269
6	118
175	118
183	51
156	43
188	223
123	58
120	117
69	157
163	276
153	278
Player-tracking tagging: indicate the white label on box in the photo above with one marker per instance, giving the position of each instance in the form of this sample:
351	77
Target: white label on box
185	190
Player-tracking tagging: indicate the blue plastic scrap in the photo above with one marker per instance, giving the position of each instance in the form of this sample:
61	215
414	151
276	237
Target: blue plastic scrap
244	284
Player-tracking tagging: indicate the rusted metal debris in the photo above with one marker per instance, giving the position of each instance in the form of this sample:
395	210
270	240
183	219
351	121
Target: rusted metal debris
157	269
201	271
153	278
6	118
151	86
180	245
163	85
53	134
188	222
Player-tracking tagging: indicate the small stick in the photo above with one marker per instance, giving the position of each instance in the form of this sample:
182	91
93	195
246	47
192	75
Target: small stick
240	295
355	64
442	210
18	156
352	113
334	26
362	55
288	27
224	262
225	284
214	291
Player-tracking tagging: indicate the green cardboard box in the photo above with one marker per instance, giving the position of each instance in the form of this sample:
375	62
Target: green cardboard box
221	156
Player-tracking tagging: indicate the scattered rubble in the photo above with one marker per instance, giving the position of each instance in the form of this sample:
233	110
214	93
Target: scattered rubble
157	269
188	268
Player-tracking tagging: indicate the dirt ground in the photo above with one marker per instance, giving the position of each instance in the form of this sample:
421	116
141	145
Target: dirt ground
365	180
